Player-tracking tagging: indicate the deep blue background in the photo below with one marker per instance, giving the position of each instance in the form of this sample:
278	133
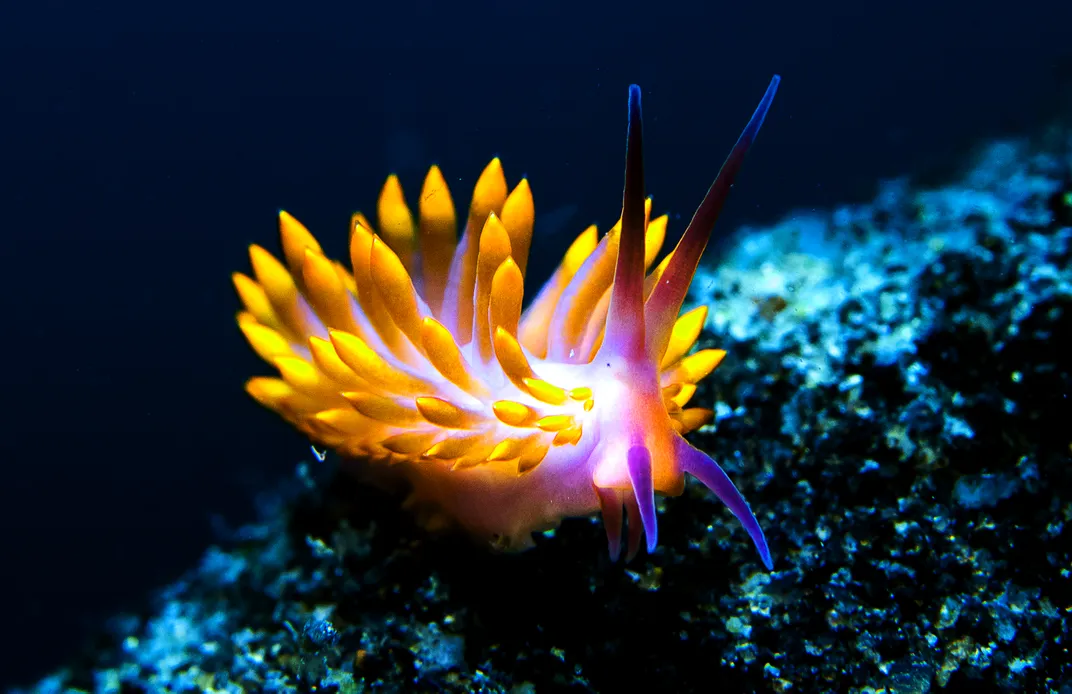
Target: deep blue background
144	148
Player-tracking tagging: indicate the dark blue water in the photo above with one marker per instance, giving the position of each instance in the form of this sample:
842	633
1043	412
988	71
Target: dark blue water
144	148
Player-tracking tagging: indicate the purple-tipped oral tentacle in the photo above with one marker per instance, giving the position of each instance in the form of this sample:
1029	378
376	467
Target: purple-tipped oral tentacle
644	493
705	469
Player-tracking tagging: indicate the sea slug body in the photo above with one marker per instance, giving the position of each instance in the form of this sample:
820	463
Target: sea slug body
419	364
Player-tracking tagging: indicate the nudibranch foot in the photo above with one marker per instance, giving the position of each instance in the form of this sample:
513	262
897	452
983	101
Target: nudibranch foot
419	364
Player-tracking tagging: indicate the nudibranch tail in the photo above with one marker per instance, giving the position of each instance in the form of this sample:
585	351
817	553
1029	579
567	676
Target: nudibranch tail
419	361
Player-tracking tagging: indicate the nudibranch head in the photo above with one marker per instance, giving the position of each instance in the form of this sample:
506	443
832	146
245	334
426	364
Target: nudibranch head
420	362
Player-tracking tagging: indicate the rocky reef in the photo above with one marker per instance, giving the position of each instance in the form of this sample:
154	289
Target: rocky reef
895	406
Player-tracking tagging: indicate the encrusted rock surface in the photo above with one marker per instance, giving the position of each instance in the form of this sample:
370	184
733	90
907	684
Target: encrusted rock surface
895	406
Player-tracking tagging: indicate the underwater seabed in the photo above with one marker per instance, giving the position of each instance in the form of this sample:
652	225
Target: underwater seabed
894	405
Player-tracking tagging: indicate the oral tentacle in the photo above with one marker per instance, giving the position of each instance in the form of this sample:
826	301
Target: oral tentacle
644	493
705	469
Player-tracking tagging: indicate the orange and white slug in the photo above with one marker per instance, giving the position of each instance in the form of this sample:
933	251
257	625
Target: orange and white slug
421	363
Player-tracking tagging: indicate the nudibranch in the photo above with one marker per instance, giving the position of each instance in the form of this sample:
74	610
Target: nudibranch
420	364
